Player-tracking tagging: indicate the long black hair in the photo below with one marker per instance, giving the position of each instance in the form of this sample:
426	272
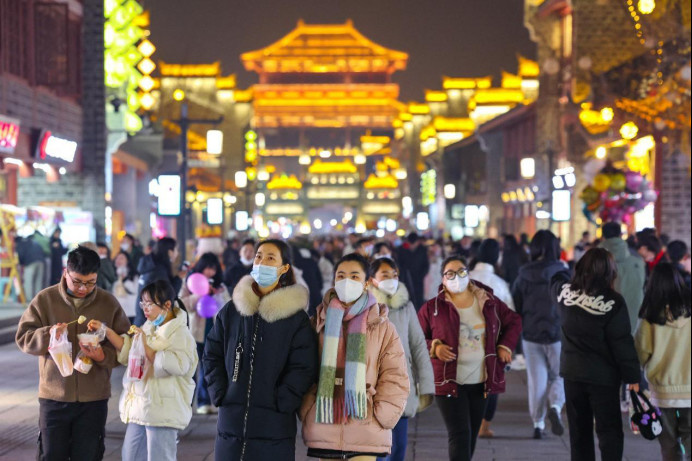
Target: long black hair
595	272
667	297
160	253
544	246
208	260
289	278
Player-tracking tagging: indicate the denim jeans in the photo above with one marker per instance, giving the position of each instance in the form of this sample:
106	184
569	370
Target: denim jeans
201	390
545	385
399	441
149	443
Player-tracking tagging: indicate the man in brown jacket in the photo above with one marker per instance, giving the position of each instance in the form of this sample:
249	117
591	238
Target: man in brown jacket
73	409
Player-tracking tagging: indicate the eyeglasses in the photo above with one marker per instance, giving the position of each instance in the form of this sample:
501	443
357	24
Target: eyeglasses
147	304
449	275
79	283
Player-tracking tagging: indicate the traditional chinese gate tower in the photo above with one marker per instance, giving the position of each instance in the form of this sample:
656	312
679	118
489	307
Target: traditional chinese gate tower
324	96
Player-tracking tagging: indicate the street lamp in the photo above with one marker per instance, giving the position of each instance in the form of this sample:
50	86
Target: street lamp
214	142
184	123
528	168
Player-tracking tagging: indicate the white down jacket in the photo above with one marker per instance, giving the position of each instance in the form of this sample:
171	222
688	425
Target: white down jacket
163	397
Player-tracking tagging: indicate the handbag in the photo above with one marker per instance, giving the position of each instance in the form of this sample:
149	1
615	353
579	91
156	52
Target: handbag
647	420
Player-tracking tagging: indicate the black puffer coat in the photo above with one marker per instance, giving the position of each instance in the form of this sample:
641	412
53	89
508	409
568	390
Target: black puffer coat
540	314
276	350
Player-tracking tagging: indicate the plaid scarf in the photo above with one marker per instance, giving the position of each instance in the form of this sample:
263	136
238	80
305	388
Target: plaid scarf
341	390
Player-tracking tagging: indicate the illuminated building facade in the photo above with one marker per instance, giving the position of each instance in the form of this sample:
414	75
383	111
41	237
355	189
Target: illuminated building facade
323	111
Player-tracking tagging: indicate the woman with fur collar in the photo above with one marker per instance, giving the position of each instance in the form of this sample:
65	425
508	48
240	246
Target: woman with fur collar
388	291
260	359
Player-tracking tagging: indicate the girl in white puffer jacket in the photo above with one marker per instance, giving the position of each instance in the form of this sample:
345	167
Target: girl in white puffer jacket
159	405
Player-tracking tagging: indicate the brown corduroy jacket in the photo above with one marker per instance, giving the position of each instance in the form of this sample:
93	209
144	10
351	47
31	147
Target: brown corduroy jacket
53	305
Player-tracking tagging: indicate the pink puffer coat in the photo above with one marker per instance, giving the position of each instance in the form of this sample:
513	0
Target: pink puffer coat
387	385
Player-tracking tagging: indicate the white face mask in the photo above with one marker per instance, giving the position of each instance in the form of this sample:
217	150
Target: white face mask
457	284
246	262
122	271
348	290
388	286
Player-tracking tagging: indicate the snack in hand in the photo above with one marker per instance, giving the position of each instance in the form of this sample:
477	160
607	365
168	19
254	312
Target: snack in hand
132	330
81	319
88	339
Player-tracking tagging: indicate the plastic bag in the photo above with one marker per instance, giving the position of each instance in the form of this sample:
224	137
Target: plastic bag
60	349
137	363
83	363
93	338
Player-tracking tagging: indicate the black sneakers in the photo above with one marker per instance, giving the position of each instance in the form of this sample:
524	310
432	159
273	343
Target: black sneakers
556	426
538	433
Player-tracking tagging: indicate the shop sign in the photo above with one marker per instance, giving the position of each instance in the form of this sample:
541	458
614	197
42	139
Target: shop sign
52	147
9	134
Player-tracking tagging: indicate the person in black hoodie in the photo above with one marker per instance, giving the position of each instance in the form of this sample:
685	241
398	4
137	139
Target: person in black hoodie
598	354
158	266
234	273
541	332
260	360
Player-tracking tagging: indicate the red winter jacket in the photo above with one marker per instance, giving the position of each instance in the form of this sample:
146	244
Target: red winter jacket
440	320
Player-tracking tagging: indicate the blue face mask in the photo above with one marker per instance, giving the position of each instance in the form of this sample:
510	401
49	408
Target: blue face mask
265	276
160	319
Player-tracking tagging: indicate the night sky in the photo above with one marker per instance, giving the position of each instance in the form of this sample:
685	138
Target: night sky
470	38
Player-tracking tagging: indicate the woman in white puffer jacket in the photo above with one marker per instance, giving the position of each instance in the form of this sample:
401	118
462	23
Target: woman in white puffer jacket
159	405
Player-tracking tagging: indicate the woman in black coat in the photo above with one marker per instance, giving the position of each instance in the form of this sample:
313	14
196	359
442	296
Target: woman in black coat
57	251
158	266
598	354
260	359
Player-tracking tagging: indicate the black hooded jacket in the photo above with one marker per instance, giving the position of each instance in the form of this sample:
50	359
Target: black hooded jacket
539	312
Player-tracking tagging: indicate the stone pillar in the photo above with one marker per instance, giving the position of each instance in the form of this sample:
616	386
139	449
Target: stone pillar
94	116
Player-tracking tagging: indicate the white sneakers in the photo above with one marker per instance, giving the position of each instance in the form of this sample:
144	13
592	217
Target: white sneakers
206	410
518	363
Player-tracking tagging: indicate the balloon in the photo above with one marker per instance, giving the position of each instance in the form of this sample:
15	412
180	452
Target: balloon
601	182
198	284
633	180
207	307
589	195
650	195
627	219
618	182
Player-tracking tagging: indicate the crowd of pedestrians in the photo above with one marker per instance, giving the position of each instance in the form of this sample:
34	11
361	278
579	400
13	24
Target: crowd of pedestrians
353	336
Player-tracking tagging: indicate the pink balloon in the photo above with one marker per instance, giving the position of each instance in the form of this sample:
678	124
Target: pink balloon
198	284
207	307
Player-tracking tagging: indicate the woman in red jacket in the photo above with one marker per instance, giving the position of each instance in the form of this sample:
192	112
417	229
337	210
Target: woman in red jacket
471	335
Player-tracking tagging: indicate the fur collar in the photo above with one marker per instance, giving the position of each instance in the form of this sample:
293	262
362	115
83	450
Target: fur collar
277	305
398	300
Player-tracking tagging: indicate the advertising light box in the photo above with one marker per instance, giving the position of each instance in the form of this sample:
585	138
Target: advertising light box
169	195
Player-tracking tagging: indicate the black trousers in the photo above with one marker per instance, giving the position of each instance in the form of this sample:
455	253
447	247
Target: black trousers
71	430
586	402
462	416
491	407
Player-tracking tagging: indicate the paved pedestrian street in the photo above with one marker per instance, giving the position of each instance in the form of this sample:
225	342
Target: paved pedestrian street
427	436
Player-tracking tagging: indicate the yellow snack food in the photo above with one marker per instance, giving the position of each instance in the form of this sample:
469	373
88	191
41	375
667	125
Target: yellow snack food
81	319
132	330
